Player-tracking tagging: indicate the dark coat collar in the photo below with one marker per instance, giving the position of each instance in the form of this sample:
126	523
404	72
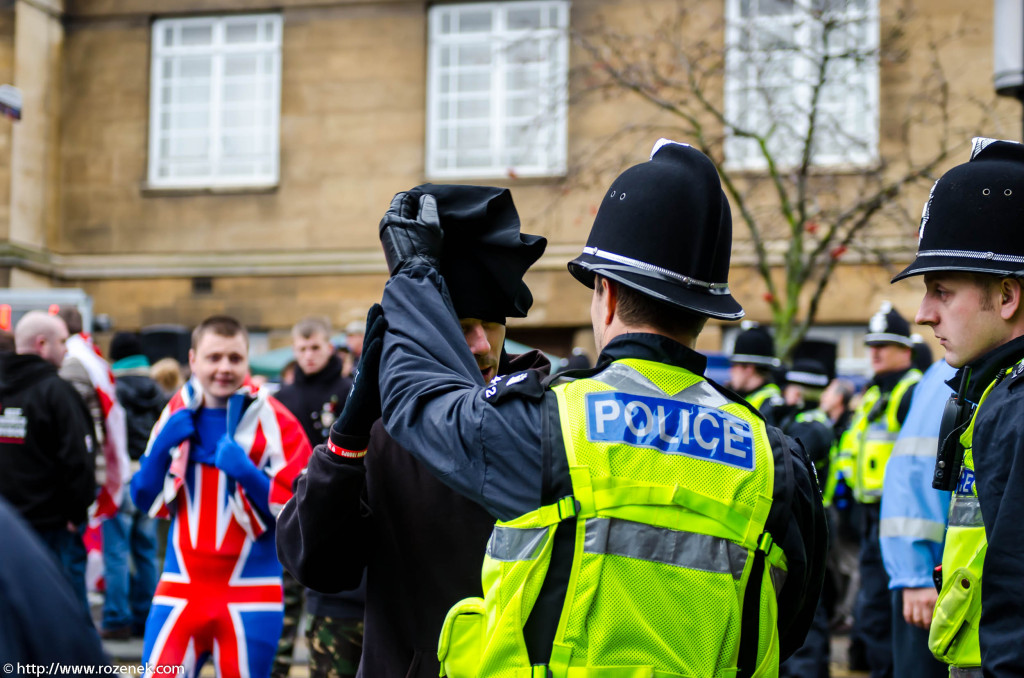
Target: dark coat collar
654	347
985	369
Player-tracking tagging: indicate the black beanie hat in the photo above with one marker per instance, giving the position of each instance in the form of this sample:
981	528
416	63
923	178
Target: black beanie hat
485	255
974	217
125	344
664	228
887	326
755	346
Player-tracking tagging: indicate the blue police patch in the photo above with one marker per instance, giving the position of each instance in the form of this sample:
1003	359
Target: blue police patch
965	484
671	426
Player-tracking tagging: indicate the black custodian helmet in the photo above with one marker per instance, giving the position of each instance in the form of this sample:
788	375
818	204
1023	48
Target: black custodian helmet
664	229
755	346
887	326
974	218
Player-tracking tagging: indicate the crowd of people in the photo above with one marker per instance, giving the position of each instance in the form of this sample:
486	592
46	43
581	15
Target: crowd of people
439	507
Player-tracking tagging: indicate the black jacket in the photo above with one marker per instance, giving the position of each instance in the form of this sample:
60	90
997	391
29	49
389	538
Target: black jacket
421	543
501	445
999	479
316	399
143	400
46	444
41	620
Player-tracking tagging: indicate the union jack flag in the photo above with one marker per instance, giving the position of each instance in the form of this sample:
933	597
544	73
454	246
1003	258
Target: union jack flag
220	594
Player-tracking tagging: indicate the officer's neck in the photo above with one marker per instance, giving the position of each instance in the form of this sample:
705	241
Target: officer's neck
616	327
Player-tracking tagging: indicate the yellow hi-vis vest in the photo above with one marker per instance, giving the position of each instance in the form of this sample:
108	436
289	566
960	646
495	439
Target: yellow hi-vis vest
758	397
672	483
872	434
953	637
840	468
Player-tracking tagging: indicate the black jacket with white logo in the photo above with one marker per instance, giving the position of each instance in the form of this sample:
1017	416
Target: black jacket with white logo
46	444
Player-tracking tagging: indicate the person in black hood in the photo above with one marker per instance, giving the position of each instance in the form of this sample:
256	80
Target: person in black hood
366	501
316	396
46	443
129	591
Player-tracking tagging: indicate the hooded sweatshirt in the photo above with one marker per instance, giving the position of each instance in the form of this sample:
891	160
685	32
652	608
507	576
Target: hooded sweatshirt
46	444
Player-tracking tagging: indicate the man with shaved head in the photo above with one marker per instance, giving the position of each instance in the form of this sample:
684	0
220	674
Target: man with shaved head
46	442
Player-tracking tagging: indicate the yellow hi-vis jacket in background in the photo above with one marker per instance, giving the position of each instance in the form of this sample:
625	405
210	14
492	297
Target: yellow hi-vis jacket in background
767	392
872	434
672	483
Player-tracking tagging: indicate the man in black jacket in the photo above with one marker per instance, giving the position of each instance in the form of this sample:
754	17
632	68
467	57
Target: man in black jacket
46	443
316	398
386	511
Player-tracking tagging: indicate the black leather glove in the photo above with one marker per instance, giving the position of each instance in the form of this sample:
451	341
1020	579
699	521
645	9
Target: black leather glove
351	431
410	231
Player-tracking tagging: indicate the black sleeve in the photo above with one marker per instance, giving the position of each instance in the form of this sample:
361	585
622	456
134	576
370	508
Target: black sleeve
75	449
41	620
815	437
999	472
797	523
322	530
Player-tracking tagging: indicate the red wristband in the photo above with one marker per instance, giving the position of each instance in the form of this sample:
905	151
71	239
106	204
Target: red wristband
342	452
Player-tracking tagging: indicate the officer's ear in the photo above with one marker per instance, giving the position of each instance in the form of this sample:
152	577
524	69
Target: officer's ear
607	298
1009	298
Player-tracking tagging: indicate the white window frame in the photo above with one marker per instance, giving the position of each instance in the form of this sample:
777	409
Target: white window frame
268	48
746	68
549	123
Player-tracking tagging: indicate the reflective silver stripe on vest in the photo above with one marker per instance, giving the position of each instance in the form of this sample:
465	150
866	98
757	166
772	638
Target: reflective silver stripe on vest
965	511
611	536
878	435
511	544
965	672
913	446
917	528
624	378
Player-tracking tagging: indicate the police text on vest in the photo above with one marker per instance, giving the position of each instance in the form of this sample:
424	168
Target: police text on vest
671	426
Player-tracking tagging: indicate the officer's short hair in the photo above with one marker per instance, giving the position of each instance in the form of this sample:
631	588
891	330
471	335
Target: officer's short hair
636	308
222	326
311	325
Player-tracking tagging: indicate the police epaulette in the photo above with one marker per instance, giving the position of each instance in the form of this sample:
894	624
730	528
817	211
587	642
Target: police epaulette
1016	374
528	384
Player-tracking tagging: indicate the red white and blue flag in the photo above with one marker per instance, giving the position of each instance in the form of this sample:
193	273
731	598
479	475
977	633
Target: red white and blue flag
220	594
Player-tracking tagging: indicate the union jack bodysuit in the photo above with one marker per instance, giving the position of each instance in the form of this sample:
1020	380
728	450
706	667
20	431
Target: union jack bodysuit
220	591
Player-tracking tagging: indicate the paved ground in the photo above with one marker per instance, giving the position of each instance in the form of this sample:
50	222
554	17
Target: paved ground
129	652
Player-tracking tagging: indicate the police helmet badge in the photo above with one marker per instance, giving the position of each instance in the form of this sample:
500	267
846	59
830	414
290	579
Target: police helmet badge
887	326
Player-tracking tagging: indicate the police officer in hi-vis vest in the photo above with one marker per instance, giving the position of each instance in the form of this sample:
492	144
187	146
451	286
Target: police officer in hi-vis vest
649	522
863	453
971	253
752	372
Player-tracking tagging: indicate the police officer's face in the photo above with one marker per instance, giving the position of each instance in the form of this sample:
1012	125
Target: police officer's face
744	377
889	358
965	314
485	340
220	364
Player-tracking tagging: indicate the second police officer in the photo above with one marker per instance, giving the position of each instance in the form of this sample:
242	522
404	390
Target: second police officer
863	453
752	372
638	503
971	253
